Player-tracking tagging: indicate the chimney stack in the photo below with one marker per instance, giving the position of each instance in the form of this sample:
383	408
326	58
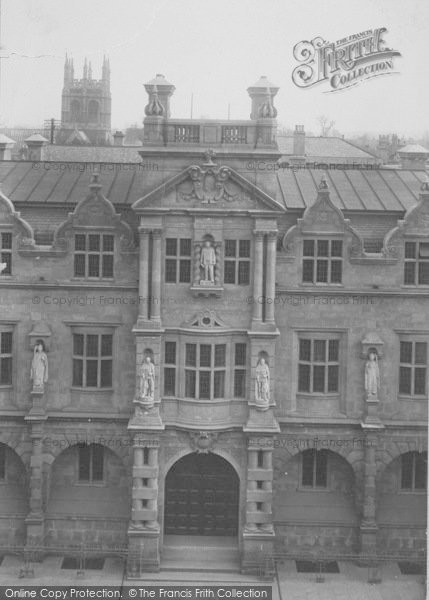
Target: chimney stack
6	145
413	157
35	145
118	138
159	91
262	95
299	141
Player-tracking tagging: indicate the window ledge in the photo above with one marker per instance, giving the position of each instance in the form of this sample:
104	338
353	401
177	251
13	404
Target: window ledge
406	398
315	396
321	285
88	390
6	386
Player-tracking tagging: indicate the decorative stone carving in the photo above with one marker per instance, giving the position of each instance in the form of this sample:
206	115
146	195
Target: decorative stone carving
262	385
154	107
39	367
209	185
202	442
40	333
206	319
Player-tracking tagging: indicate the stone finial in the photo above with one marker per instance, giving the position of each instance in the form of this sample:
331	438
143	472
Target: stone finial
154	107
95	184
266	109
209	155
323	185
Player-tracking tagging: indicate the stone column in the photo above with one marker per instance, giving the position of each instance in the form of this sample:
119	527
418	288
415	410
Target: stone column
368	526
36	518
252	464
144	274
271	276
156	276
137	485
257	277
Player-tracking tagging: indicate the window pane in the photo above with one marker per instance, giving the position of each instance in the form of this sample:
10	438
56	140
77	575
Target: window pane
106	345
322	271
321	468
318	378
229	271
322	248
79	265
190	384
6	342
78	344
91	373
97	462
107	265
77	372
319	350
336	248
185	271
79	242
420	471
305	350
219	384
171	247
2	461
406	352
243	272
170	353
169	381
307	467
420	353
410	250
108	243
409	273
239	383
93	265
424	273
308	249
191	355
170	270
84	462
405	380
205	384
230	247
220	354
6	370
6	257
333	378
307	271
336	271
240	354
205	355
185	247
244	249
106	373
424	250
92	345
407	471
303	378
94	243
420	380
6	241
333	350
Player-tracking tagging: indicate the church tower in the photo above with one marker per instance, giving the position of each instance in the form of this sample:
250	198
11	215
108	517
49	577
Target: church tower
86	106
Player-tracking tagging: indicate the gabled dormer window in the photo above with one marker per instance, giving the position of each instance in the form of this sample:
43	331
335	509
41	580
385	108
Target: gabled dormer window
416	263
6	253
322	261
93	255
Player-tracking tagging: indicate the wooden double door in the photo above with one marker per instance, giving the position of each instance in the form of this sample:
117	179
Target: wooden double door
201	497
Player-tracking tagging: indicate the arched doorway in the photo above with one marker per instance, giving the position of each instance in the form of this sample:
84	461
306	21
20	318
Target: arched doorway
201	497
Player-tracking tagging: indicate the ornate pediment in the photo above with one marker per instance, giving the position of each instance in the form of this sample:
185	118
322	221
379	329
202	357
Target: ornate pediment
94	211
208	185
12	220
206	319
323	217
414	224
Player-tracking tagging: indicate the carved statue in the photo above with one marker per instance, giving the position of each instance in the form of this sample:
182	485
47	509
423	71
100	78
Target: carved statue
147	378
372	376
262	382
208	261
39	367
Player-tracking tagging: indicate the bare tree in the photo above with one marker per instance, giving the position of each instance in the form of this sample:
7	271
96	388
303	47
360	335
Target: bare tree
326	125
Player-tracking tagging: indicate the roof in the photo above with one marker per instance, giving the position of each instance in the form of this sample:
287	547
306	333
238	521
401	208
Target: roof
159	79
413	149
36	137
320	147
5	140
351	189
108	154
124	183
263	82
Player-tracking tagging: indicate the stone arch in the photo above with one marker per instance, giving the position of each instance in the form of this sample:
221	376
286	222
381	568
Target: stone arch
75	111
93	111
14	497
90	509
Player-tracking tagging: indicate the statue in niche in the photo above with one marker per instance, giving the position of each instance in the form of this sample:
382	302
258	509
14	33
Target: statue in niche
39	367
372	375
262	382
208	262
147	378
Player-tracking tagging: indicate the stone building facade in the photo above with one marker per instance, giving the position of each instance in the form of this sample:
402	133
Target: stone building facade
226	358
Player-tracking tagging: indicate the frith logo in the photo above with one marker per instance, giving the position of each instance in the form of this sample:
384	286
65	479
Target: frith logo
344	63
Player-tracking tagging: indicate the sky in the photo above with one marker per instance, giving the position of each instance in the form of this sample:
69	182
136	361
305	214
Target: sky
215	51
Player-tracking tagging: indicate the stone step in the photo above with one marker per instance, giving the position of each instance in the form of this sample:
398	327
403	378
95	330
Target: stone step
209	554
